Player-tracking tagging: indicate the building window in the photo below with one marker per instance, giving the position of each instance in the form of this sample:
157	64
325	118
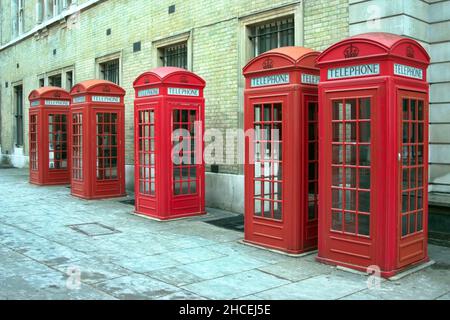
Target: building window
175	55
270	35
41	82
17	17
55	80
109	70
69	80
39	11
18	114
49	9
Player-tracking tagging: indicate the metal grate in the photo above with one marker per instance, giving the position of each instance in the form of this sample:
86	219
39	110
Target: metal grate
175	56
235	223
130	202
275	34
110	70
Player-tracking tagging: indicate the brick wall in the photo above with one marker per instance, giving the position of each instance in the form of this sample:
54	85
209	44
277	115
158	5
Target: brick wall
215	33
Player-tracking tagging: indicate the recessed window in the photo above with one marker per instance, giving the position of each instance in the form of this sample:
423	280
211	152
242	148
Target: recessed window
274	34
69	80
174	55
109	70
17	15
55	80
41	82
49	9
40	11
18	114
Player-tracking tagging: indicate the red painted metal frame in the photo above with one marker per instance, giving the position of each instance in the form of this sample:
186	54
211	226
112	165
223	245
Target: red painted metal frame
291	231
91	178
45	102
152	95
384	247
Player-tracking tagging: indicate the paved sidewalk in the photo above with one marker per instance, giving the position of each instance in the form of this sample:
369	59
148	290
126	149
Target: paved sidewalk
42	252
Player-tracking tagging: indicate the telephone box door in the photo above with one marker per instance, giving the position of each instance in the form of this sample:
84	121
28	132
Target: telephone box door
349	202
264	178
145	156
413	156
312	169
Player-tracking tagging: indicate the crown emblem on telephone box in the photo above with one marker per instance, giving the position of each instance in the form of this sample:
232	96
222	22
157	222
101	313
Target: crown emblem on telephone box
268	64
351	51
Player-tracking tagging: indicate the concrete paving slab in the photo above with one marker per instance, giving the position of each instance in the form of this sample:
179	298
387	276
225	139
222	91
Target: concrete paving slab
445	296
222	266
174	276
297	270
231	287
136	287
182	295
146	263
322	287
94	270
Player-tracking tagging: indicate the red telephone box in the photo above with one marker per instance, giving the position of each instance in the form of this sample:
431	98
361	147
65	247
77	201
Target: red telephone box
97	140
169	121
373	163
281	161
48	122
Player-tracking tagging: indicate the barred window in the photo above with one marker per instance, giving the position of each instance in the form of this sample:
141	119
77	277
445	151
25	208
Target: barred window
270	35
174	55
55	81
110	70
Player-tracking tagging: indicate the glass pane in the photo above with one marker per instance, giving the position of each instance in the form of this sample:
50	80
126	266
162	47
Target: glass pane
419	221
350	109
412	201
311	211
405	179
350	132
405	199
350	155
350	222
405	109
337	154
413	110
364	108
337	198
338	110
350	200
364	132
364	178
338	132
267	112
364	201
404	225
363	224
277	210
336	221
257	113
258	207
412	223
350	177
420	109
337	173
277	112
193	185
364	155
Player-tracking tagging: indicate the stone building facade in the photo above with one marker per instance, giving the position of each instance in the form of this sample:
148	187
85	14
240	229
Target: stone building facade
62	42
